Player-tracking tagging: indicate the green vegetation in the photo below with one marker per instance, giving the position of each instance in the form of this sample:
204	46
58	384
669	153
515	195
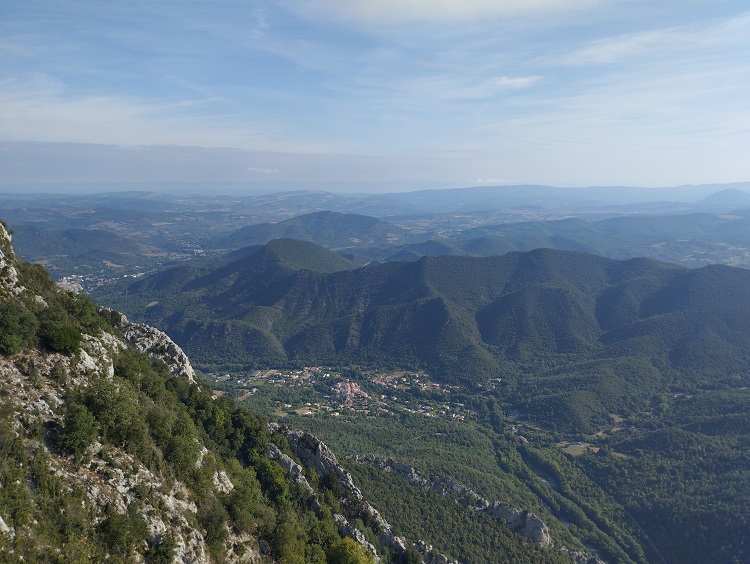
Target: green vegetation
346	551
573	336
18	327
142	413
79	430
684	475
161	420
606	397
55	319
495	465
453	530
668	482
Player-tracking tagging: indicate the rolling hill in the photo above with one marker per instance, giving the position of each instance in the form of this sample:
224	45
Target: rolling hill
576	329
327	228
84	251
694	240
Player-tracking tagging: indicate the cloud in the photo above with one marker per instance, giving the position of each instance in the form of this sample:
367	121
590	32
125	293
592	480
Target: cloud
263	170
448	88
40	108
512	82
661	42
430	11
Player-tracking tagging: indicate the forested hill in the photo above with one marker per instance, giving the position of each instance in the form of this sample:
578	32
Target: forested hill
466	319
332	229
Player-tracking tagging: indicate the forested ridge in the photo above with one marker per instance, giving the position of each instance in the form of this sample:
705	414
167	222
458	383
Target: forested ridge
573	336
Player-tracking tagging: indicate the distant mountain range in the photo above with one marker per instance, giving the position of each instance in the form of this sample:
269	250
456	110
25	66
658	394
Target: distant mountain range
689	239
615	330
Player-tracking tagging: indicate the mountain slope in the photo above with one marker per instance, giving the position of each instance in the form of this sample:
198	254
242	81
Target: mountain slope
112	450
78	251
604	332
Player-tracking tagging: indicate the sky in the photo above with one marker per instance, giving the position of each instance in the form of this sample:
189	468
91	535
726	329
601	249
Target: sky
380	93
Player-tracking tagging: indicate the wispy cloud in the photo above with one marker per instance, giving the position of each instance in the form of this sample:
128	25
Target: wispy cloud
39	108
263	170
540	90
406	92
663	42
387	12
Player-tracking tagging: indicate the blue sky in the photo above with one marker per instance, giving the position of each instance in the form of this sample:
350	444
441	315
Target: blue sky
397	92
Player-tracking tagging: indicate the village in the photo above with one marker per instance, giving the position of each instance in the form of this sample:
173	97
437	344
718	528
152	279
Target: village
317	390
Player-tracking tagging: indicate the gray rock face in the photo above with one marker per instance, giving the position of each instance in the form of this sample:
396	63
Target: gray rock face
294	469
8	272
4	528
314	454
345	528
522	522
157	345
111	477
518	520
430	556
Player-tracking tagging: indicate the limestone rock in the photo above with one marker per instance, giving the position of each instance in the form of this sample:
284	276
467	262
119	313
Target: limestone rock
316	455
222	482
4	528
522	522
157	345
313	453
518	520
294	469
352	532
8	272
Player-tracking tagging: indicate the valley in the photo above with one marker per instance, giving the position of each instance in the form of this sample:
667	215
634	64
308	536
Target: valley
579	474
508	384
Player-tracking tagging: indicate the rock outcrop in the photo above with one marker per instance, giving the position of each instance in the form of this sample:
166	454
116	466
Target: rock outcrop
314	454
157	345
518	520
35	385
292	468
8	273
112	478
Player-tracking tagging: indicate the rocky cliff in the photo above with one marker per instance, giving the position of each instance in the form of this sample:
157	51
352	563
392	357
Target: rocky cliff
109	484
112	480
314	454
518	520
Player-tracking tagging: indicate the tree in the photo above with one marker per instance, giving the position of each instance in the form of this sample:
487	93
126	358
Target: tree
163	551
289	540
18	327
347	551
80	429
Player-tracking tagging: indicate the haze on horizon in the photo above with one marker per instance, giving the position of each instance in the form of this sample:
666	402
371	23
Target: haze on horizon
383	94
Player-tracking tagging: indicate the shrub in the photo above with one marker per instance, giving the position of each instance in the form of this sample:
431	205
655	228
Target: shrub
80	429
18	327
